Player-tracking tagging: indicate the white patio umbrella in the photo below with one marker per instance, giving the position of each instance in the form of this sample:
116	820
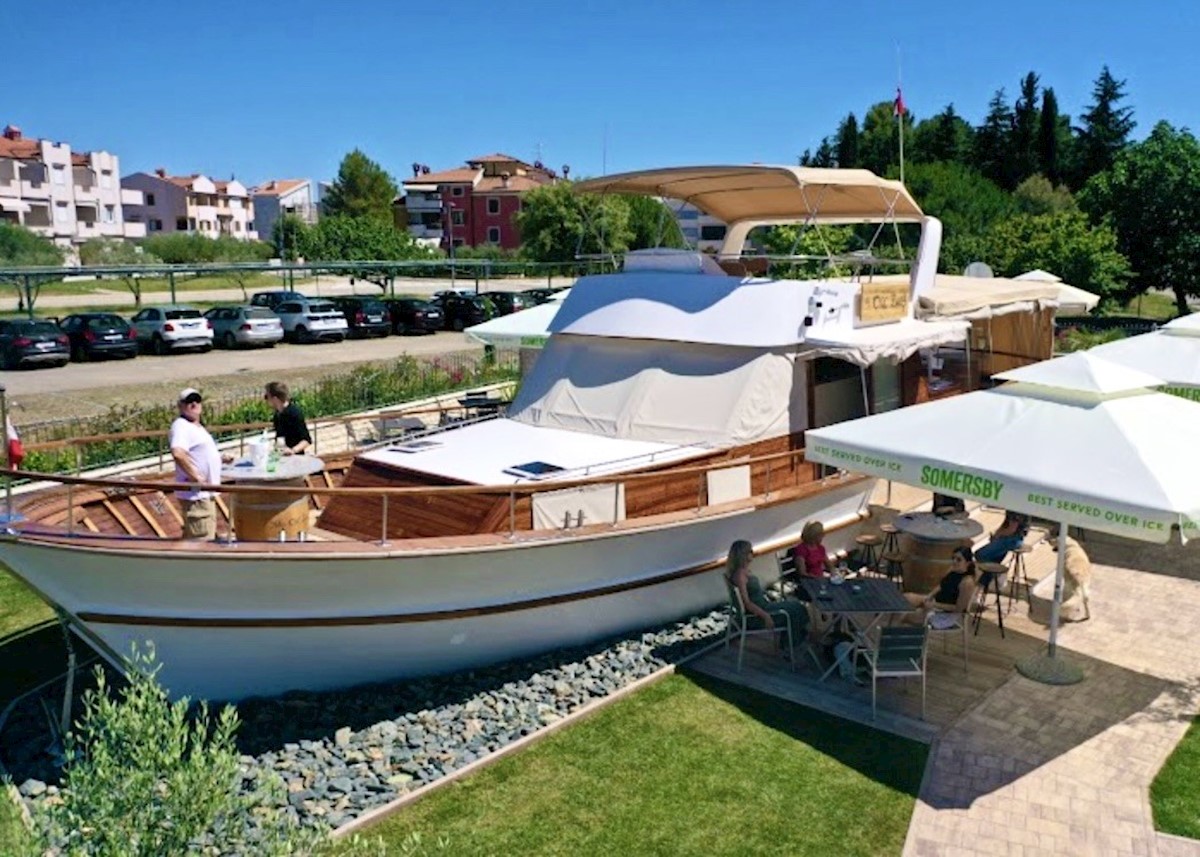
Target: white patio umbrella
1071	299
1172	353
1076	439
529	327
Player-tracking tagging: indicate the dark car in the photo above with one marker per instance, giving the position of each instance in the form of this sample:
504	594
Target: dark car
364	316
33	342
464	310
413	315
509	302
539	296
99	334
273	299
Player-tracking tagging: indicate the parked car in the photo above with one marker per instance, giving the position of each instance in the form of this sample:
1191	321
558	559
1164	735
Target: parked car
274	298
162	329
413	315
508	302
32	341
365	316
244	325
541	295
311	320
444	292
464	310
99	334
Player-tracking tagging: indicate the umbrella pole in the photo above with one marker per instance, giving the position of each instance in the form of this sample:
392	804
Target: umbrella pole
1047	667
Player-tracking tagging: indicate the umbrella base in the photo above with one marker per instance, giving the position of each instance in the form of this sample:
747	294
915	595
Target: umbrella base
1049	670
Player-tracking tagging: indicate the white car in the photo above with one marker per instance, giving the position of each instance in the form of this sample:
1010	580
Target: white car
162	329
312	320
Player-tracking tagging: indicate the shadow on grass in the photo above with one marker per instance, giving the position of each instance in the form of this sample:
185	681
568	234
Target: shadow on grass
882	757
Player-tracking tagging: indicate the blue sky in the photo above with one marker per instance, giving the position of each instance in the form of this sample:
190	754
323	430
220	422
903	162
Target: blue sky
276	90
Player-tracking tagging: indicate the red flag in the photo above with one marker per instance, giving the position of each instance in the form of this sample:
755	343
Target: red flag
898	105
16	449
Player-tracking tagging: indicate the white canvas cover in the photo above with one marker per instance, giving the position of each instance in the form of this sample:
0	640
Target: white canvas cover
1172	353
662	391
1112	462
892	342
1071	299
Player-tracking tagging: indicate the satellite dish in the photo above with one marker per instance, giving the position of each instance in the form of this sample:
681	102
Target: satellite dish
978	269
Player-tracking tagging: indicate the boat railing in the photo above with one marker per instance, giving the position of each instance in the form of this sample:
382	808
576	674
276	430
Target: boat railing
770	475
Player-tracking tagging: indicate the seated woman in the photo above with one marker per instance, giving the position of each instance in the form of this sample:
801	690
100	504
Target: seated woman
953	593
758	608
812	560
1007	538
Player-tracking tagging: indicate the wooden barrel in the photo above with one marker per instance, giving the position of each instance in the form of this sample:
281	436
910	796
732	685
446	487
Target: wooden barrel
925	562
258	517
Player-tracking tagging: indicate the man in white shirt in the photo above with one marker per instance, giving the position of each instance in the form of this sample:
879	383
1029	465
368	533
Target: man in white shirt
196	460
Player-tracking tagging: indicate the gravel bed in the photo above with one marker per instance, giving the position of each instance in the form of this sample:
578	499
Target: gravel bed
341	754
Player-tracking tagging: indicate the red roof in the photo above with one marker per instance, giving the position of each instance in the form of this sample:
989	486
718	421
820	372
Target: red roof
276	187
19	148
498	157
462	175
516	184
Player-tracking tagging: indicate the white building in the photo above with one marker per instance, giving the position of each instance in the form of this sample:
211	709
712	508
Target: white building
66	196
701	231
195	204
278	197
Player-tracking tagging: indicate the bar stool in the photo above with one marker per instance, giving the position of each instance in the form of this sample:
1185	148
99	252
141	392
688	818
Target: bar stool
867	544
992	574
891	539
1018	576
892	566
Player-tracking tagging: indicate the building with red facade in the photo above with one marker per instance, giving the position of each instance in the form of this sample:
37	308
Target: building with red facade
470	206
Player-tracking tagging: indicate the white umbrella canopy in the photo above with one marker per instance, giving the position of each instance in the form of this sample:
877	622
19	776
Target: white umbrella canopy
1076	439
1172	353
530	327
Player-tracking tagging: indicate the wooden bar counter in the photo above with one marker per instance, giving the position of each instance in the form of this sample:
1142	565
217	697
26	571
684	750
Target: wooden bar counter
263	516
928	542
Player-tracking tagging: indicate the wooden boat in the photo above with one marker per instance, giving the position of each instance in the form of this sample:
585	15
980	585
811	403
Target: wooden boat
664	419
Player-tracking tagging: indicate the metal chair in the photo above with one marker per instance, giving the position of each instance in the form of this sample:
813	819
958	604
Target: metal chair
945	622
738	625
901	653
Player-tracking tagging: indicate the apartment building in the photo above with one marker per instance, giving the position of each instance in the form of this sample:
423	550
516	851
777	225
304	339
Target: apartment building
66	196
472	205
192	204
701	231
278	197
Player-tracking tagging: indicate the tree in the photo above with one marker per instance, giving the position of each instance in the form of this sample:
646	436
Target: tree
993	142
362	189
235	251
111	252
1151	196
1063	242
23	248
557	224
825	156
1024	155
800	240
288	234
1036	195
1049	149
945	137
847	142
1106	128
879	144
967	204
652	223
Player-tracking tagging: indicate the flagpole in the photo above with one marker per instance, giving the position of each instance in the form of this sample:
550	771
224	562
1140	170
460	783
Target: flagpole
900	109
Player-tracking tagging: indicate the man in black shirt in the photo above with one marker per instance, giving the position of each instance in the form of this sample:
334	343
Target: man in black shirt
289	422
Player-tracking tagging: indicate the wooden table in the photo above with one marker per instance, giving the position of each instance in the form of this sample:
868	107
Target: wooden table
262	516
928	543
857	605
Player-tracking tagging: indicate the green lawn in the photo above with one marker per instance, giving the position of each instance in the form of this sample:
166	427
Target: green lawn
1154	305
1175	792
687	766
20	608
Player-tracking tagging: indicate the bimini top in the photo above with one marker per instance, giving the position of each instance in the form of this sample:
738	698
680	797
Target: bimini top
770	194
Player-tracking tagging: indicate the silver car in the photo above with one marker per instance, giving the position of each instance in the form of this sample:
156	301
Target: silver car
162	329
311	320
234	326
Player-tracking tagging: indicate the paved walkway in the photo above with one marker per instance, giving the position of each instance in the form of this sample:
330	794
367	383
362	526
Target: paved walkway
1035	769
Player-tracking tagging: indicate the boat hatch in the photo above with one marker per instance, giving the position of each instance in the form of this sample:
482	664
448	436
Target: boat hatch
414	446
532	470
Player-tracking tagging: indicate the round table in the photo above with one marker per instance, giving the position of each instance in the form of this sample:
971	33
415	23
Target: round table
929	542
263	515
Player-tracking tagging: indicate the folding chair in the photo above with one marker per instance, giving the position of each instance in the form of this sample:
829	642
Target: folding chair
901	654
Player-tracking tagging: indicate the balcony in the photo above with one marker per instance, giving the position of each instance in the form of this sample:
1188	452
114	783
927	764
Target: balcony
130	196
419	203
35	190
133	230
417	230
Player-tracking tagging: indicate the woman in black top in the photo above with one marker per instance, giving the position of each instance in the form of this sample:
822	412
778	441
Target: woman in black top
954	591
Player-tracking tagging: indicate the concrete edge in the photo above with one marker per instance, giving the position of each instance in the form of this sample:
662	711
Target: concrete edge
910	836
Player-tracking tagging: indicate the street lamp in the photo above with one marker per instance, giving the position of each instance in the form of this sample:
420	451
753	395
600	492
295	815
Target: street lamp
450	238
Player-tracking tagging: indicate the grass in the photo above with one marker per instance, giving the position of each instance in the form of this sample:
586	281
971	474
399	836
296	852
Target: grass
13	837
1175	792
1156	305
20	607
690	765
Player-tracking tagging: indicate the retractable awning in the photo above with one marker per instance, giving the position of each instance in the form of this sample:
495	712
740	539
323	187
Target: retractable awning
895	342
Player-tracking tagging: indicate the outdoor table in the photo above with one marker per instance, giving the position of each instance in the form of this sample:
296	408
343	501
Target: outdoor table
929	541
481	405
857	604
264	515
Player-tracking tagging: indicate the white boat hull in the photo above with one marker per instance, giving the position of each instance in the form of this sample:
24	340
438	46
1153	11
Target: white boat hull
229	624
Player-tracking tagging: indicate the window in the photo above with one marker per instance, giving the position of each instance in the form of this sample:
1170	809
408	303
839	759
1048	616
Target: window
59	175
493	234
154	226
181	224
106	178
458	242
493	205
456	191
712	233
109	215
149	199
457	217
60	212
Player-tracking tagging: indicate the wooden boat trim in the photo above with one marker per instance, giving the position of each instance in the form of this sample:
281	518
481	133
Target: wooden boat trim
425	616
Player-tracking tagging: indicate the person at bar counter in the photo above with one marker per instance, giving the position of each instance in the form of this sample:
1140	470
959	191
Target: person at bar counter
197	459
812	560
290	427
954	591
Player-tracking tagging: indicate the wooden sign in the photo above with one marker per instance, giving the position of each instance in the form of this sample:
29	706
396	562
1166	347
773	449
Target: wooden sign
883	302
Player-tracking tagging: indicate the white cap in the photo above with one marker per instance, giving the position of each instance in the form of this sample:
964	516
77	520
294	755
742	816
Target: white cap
189	391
